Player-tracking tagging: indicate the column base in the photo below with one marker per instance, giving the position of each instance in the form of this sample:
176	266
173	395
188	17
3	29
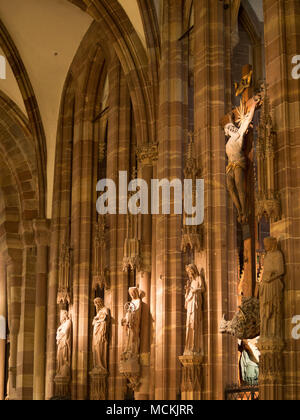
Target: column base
271	369
62	386
98	389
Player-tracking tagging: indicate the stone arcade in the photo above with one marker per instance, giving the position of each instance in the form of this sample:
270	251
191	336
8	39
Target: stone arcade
144	305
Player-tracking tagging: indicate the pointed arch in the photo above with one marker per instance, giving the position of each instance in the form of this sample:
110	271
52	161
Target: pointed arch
31	105
119	32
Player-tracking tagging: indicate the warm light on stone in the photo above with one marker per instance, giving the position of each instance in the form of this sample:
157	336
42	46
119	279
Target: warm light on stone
149	202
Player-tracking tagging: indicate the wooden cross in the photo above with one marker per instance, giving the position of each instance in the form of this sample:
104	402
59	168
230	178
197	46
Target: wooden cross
245	89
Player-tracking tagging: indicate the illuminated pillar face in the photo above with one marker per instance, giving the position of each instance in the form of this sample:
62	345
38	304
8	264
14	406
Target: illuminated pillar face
2	327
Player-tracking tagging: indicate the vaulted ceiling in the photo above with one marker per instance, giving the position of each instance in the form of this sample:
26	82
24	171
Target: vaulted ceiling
47	34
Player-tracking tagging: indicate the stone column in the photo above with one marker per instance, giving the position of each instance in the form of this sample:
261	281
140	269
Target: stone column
169	281
147	155
25	355
3	321
14	281
153	308
282	43
118	159
41	228
60	220
212	78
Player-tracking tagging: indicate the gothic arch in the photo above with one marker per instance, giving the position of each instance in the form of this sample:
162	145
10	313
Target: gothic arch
18	151
19	206
35	121
119	32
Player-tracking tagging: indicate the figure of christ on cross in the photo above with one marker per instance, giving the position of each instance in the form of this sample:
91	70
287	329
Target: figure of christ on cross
237	164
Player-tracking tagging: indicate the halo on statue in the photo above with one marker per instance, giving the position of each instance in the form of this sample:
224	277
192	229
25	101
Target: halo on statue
130	307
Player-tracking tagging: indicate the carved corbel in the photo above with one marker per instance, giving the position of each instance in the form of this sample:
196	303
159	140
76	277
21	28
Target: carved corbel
147	154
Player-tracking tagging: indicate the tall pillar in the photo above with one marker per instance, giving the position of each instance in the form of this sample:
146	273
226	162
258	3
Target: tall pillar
60	220
25	356
83	216
3	321
211	99
120	158
169	281
147	155
282	43
41	228
14	281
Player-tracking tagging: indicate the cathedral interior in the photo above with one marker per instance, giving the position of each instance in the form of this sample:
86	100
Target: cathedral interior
146	306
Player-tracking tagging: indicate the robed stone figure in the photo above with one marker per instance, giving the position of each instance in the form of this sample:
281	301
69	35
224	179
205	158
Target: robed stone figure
237	164
193	304
271	291
132	323
101	324
63	341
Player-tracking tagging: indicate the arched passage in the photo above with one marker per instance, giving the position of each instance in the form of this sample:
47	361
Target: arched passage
19	206
119	33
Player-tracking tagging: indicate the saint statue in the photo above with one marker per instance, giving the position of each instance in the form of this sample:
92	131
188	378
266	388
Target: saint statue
271	291
132	322
193	304
63	340
100	336
237	164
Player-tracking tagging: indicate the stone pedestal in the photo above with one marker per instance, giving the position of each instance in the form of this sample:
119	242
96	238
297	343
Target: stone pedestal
191	377
271	369
98	389
62	386
131	369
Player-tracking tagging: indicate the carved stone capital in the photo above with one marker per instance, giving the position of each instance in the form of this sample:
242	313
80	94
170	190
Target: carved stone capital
191	360
268	207
192	238
41	229
147	154
27	234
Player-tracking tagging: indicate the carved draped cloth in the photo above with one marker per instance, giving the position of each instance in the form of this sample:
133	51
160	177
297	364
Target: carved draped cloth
271	292
232	166
271	297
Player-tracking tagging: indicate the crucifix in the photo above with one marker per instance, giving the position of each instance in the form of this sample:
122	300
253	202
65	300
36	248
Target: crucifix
239	173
